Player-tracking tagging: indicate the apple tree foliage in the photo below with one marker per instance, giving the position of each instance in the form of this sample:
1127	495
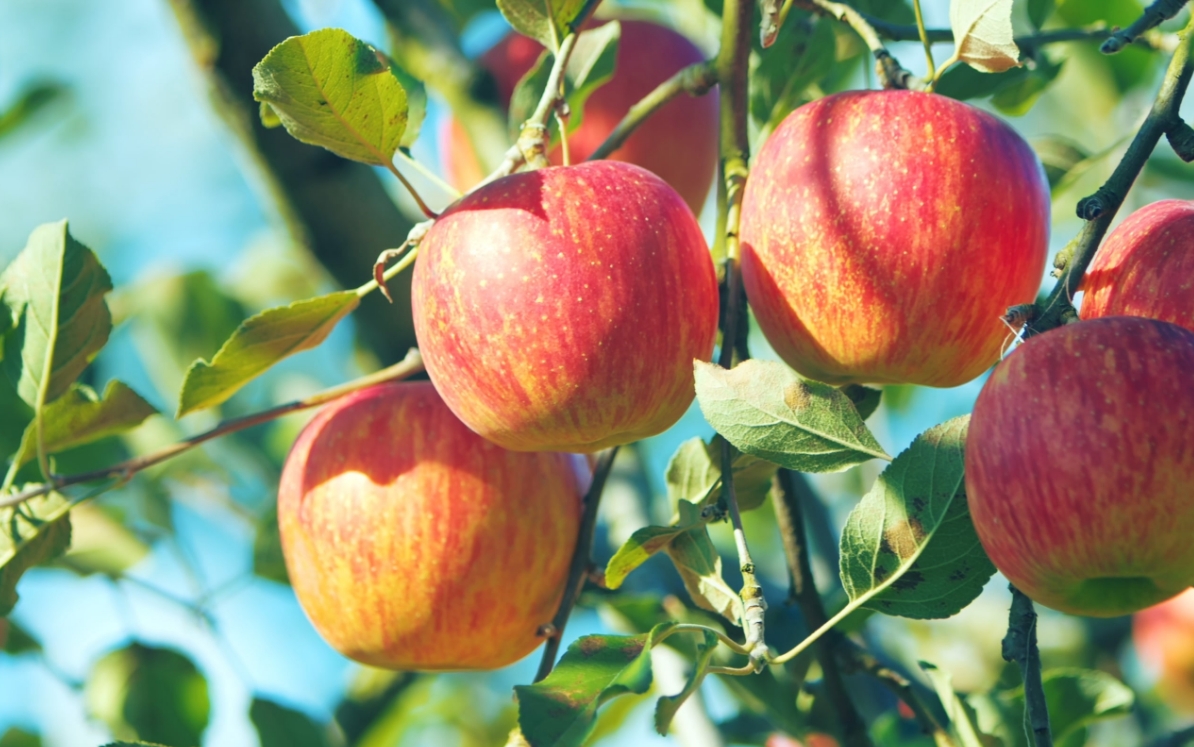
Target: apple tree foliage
908	547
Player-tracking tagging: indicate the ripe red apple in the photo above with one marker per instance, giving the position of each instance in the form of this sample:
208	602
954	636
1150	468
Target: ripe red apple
678	142
1146	267
412	543
1164	639
561	309
884	234
1080	466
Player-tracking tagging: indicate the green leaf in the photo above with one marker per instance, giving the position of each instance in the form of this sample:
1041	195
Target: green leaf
699	565
637	549
695	470
35	532
560	710
269	118
155	694
17	641
80	417
962	720
803	54
547	21
29	102
1059	156
15	737
416	103
268	561
1039	12
963	82
333	90
765	409
260	342
1075	699
1016	98
278	726
909	547
865	399
666	707
983	35
54	290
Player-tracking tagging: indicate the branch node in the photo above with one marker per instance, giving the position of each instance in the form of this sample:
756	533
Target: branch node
1181	139
1090	208
1153	16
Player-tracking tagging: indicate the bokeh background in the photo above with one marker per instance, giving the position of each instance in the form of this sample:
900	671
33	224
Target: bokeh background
172	612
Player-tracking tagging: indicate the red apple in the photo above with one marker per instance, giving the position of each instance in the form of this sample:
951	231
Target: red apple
1080	466
412	543
561	309
814	739
884	234
1146	267
678	142
1164	639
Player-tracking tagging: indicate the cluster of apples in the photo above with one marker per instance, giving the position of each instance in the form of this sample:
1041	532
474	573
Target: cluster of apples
883	236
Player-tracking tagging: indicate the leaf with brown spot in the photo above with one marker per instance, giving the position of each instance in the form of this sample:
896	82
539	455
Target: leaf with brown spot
909	547
561	710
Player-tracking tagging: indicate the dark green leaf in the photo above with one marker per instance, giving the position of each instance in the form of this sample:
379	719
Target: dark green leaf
35	532
147	693
765	409
962	720
30	101
695	469
16	640
260	342
15	737
666	707
560	710
278	726
963	82
983	34
547	21
54	290
1075	699
1016	98
333	90
1039	12
803	53
909	547
80	417
699	565
866	400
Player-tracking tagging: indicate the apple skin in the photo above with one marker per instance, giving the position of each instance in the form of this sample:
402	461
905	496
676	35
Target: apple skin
414	544
678	142
1164	640
1145	267
1080	462
884	234
561	309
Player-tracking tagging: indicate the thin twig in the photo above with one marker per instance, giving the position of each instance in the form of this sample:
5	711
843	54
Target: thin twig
891	74
790	493
924	39
1020	646
582	563
408	366
1153	16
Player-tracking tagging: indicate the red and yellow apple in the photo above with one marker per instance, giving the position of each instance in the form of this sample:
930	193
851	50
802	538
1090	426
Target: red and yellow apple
884	234
678	142
1164	639
1146	267
1080	466
414	544
561	309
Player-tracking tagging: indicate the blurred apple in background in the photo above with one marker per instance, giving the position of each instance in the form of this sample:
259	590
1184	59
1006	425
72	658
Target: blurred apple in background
1164	640
678	143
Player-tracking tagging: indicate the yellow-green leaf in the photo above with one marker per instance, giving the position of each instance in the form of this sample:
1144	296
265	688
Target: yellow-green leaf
80	417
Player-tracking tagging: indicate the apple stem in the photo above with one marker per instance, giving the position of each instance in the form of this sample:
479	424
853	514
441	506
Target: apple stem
410	188
582	561
1100	208
123	471
931	75
1019	645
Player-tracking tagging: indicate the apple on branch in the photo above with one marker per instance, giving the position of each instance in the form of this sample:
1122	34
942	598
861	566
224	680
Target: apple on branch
414	544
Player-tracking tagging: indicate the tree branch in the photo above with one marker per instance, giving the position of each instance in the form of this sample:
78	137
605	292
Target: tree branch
1153	16
582	563
791	492
1019	645
891	74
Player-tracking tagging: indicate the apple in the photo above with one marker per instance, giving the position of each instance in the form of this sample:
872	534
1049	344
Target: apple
884	234
1079	466
678	142
561	309
414	544
1164	639
1146	267
813	739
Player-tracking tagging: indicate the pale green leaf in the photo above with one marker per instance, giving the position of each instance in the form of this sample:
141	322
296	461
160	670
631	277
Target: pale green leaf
695	470
668	705
330	89
909	547
547	21
962	720
34	532
637	550
1075	699
699	565
54	290
260	342
983	35
765	409
80	417
560	710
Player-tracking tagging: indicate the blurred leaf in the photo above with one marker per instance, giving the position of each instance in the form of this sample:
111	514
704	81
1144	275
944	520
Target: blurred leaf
666	706
695	469
267	549
34	532
100	543
983	36
1075	699
590	66
963	82
369	695
560	710
865	399
1017	97
1112	12
765	409
55	290
962	721
547	21
892	730
1058	155
14	413
30	101
16	640
769	694
803	53
333	90
269	118
909	547
148	693
416	103
259	343
1039	12
15	737
699	565
278	726
80	417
